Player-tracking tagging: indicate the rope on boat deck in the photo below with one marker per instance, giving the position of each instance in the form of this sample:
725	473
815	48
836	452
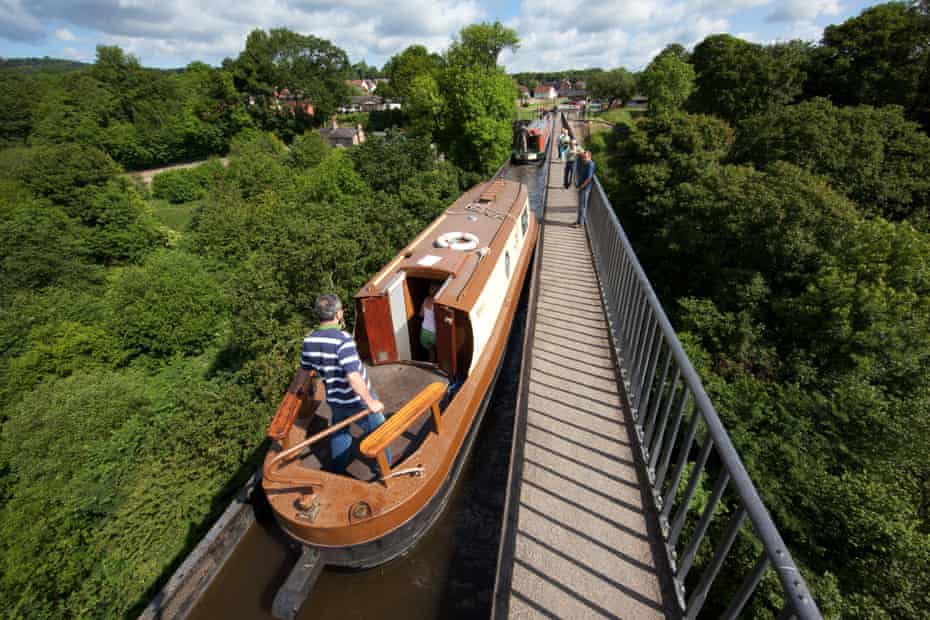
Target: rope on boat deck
412	471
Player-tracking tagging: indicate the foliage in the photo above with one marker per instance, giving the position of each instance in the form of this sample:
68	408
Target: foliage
58	172
809	324
180	185
668	82
735	79
39	243
112	473
121	227
310	67
479	97
169	305
877	58
402	69
307	150
875	156
614	85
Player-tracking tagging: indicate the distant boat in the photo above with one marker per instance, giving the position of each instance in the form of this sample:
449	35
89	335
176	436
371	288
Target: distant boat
478	253
530	141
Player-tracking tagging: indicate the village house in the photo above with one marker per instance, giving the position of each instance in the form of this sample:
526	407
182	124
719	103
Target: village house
545	92
286	102
366	86
342	137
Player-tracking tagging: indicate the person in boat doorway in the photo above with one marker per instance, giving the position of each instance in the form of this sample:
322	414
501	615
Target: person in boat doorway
331	353
428	329
585	184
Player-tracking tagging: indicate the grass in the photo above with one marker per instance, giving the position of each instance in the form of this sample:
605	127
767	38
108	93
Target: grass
531	111
175	217
617	116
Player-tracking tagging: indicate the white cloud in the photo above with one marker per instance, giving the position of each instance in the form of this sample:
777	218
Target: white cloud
554	33
18	23
200	29
629	33
74	54
803	10
63	34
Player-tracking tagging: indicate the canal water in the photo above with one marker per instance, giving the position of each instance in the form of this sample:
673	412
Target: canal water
449	574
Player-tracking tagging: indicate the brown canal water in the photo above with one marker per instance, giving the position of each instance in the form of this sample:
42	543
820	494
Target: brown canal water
449	574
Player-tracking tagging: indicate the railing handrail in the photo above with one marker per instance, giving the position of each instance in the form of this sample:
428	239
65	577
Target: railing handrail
795	588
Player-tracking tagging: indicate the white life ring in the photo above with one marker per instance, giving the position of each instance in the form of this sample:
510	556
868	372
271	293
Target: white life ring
457	241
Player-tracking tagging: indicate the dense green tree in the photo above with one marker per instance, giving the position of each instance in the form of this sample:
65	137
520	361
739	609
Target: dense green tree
19	97
735	78
169	305
403	68
39	243
878	57
479	97
121	228
873	155
307	150
668	82
58	172
482	44
308	66
616	85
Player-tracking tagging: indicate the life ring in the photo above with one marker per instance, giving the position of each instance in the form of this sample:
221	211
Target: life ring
457	241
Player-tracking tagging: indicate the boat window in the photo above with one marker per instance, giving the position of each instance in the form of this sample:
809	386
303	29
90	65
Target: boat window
525	220
507	264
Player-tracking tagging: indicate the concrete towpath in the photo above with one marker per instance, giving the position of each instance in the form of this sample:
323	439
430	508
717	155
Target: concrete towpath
578	541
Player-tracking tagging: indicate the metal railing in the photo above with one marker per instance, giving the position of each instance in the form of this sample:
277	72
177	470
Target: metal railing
678	431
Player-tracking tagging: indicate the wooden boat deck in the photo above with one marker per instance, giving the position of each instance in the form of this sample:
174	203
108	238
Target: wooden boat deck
580	540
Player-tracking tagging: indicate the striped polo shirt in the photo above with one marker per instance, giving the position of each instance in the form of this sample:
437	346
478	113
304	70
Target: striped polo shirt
331	353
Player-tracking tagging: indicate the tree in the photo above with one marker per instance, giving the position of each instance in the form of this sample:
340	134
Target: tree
735	79
614	85
875	156
307	150
479	97
39	244
668	82
413	63
59	172
481	44
309	67
877	58
170	305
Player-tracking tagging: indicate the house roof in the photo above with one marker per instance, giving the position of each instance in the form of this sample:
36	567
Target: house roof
339	132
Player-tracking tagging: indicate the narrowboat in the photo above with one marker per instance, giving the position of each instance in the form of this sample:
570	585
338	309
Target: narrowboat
474	257
530	141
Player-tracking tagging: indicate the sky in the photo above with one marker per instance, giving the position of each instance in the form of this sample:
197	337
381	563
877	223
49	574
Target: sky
554	34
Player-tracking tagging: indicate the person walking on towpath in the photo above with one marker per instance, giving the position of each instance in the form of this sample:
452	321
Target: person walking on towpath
332	354
585	184
564	142
572	156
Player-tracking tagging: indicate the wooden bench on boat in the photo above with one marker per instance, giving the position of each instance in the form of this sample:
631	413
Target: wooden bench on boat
377	442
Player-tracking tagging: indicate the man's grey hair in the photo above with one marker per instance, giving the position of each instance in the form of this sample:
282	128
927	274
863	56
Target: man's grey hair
327	306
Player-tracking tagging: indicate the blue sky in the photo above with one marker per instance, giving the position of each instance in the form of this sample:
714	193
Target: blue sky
554	34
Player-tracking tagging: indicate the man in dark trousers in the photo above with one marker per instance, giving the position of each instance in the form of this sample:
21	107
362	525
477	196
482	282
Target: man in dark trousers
585	185
332	354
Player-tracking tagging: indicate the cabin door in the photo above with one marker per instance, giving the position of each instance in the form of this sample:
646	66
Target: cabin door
446	347
398	303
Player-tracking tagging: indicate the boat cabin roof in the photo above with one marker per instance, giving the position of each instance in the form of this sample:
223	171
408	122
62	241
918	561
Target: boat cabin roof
537	127
488	211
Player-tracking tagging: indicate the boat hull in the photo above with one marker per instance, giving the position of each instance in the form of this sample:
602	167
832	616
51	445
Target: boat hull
402	540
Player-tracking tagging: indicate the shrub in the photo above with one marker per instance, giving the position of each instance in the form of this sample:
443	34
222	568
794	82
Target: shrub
170	305
179	185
